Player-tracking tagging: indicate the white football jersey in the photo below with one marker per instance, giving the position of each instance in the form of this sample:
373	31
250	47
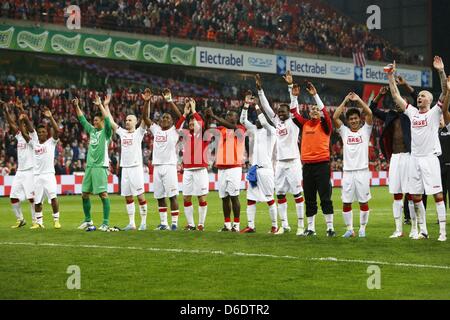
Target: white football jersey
131	147
356	147
164	145
25	152
44	155
425	131
287	139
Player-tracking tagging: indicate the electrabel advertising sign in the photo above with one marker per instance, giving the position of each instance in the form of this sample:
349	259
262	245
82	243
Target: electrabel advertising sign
235	60
376	74
315	68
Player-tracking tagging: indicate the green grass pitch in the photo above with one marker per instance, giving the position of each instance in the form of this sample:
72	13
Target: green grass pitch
212	265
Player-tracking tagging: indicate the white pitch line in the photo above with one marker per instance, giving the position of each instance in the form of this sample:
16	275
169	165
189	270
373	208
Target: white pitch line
222	253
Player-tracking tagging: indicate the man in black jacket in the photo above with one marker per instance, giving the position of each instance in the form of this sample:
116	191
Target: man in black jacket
444	159
395	144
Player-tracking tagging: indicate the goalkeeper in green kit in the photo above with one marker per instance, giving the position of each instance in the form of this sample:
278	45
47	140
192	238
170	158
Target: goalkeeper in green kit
95	179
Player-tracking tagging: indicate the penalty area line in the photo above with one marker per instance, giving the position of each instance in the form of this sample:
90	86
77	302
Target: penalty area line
222	253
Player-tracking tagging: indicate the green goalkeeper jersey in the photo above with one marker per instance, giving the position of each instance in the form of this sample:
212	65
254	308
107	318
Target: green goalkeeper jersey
97	156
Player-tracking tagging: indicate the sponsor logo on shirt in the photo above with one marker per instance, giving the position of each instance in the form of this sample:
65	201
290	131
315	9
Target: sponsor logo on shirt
21	145
40	150
94	138
282	132
127	142
161	138
419	123
354	140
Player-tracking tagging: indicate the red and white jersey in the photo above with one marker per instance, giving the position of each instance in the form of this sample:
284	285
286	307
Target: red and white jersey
287	139
356	147
194	147
164	145
25	153
44	155
131	147
425	131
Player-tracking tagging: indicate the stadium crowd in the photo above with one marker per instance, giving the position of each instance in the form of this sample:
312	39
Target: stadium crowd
308	26
71	150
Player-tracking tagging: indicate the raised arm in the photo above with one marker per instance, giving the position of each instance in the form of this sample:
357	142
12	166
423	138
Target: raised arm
294	91
12	125
262	98
244	115
365	107
438	64
390	70
182	119
263	120
146	96
374	105
339	111
220	121
55	129
326	123
445	106
22	127
168	97
199	125
84	123
108	112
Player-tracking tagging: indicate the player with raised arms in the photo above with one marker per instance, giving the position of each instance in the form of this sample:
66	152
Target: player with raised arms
164	160
424	168
132	179
195	167
261	176
23	183
356	177
95	180
230	145
44	170
288	168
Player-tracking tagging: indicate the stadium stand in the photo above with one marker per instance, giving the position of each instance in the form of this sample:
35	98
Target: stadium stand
307	26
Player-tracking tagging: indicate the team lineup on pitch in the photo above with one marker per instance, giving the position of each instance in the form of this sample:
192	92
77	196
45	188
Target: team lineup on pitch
303	172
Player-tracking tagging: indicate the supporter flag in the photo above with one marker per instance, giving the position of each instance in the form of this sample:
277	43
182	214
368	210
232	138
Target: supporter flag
358	58
370	92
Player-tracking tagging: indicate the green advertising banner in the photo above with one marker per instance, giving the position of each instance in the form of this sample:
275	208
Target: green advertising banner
97	46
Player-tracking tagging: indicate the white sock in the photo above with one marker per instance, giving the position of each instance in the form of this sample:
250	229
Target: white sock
329	220
440	208
300	213
228	225
251	215
189	213
39	218
397	209
202	210
421	217
237	226
143	212
273	215
163	216
175	215
348	220
312	223
33	213
412	214
17	211
131	209
282	211
55	216
363	219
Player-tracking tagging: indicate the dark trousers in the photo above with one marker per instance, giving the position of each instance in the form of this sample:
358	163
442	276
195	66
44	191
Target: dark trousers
317	179
445	176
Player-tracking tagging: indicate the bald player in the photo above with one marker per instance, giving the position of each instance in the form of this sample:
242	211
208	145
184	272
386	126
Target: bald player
132	182
424	169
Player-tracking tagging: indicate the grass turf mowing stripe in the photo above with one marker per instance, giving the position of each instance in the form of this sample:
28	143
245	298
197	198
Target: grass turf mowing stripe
242	254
